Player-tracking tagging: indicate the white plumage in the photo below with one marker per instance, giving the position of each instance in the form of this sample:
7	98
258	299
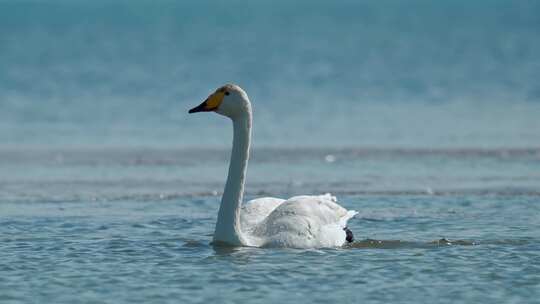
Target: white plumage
301	222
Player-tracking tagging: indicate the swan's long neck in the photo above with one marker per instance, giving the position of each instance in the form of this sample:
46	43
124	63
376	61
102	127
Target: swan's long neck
228	228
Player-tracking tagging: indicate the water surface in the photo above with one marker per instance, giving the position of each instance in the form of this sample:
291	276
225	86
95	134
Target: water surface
158	251
422	116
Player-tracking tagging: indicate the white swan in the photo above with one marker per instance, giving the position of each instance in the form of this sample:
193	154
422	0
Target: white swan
299	222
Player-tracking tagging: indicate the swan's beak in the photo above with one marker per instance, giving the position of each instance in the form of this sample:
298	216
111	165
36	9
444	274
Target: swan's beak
203	107
210	104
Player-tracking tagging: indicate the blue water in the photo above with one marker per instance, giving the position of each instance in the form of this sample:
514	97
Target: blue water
423	116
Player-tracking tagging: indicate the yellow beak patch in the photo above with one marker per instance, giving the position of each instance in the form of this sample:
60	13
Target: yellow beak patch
214	100
211	103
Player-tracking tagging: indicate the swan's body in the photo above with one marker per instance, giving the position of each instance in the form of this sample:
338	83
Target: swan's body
300	222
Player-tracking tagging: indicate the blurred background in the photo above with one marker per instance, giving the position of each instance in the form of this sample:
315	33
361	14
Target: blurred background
348	96
411	74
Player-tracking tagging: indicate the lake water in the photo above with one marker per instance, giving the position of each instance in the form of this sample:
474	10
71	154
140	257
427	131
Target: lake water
423	117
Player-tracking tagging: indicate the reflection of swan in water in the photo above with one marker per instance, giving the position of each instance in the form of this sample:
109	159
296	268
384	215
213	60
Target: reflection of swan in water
301	221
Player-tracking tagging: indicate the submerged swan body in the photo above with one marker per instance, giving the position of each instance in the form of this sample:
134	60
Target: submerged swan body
299	222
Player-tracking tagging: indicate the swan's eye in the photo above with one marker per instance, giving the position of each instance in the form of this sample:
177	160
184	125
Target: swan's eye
227	93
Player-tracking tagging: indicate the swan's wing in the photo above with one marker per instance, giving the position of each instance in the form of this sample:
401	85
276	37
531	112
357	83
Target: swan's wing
255	211
305	221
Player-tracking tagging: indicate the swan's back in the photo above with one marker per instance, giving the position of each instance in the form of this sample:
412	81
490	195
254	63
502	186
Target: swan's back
256	211
303	222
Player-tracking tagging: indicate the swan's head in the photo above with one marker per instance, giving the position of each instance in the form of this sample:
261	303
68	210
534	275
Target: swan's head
229	100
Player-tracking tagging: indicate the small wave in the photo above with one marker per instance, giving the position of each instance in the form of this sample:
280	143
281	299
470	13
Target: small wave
193	244
52	197
401	244
190	156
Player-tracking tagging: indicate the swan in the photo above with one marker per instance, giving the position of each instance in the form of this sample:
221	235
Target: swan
299	222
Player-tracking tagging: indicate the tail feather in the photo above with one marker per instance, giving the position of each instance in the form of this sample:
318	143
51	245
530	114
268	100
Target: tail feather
350	214
348	233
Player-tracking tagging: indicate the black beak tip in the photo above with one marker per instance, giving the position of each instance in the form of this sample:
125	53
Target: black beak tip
199	108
